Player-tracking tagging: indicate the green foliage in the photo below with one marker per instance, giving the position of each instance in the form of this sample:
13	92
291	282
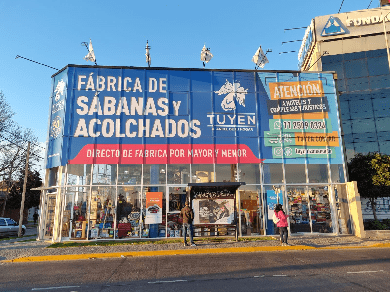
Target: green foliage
377	225
361	170
371	171
381	164
32	197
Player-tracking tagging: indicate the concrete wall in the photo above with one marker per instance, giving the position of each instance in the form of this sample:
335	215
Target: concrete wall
355	209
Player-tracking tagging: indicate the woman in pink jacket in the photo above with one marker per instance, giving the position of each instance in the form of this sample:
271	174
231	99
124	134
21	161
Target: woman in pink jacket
282	224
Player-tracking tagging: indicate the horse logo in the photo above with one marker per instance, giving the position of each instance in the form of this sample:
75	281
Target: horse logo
232	91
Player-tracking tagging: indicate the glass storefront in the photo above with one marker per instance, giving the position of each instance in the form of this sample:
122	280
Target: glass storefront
124	143
309	209
113	204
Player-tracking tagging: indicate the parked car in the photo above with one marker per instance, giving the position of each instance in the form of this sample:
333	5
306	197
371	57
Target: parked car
8	227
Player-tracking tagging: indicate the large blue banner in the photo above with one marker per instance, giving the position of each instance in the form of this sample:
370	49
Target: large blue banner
155	116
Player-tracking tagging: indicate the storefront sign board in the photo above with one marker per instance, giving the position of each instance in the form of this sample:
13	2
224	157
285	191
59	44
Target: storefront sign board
123	115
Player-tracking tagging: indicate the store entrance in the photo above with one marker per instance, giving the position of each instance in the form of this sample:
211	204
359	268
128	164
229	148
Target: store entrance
250	209
309	209
176	201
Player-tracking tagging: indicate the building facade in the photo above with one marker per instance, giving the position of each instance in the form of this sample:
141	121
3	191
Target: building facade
354	45
125	142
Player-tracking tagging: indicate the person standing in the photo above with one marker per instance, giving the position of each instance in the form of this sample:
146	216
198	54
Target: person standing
282	224
35	217
188	216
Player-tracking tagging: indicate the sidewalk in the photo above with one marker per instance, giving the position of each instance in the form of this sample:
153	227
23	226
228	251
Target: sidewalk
27	251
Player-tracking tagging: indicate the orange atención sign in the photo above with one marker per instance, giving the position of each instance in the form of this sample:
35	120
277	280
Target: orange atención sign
288	90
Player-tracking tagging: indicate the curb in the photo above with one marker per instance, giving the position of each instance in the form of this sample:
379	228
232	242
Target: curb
73	257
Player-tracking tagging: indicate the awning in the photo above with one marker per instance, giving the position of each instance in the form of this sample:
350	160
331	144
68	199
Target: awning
218	184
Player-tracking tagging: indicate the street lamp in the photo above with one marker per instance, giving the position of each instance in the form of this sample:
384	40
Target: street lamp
260	59
205	55
147	54
91	54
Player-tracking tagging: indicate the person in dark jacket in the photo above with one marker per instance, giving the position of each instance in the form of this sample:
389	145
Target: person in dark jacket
35	217
188	216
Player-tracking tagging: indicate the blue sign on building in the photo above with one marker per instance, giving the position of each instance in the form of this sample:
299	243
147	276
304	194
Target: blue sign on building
123	115
333	27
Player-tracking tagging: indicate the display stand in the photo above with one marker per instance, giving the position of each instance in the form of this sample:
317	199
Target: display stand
215	208
80	233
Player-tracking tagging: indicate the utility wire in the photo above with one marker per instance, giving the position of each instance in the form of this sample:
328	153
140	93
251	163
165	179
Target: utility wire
341	6
287	52
295	28
291	42
17	56
323	54
369	4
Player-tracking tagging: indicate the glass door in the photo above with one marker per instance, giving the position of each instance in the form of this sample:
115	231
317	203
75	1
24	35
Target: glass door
309	209
67	214
79	213
251	211
299	209
320	209
176	198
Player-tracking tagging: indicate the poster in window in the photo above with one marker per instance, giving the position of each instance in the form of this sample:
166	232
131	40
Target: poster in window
217	211
272	200
153	208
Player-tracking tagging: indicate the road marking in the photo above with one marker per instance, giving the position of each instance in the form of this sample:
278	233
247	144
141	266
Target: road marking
173	281
279	275
361	272
51	288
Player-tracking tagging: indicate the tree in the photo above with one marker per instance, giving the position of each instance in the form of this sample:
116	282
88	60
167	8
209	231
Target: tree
381	164
32	197
13	146
360	169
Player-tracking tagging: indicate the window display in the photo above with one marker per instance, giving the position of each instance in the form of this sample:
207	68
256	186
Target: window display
79	218
251	215
309	209
299	209
320	209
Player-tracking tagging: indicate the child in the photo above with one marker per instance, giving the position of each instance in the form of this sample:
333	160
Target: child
282	224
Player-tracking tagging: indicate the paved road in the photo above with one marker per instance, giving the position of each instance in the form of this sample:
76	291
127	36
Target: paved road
317	270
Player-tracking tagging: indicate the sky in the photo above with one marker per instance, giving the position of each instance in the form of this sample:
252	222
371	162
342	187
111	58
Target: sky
51	33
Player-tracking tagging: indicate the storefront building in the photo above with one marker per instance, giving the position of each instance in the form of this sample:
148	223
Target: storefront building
354	45
125	142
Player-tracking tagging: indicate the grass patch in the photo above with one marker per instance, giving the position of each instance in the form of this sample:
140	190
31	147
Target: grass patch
157	241
256	238
31	239
8	238
110	243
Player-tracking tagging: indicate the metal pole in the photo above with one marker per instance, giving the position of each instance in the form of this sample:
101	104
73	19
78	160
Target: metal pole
24	192
387	43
